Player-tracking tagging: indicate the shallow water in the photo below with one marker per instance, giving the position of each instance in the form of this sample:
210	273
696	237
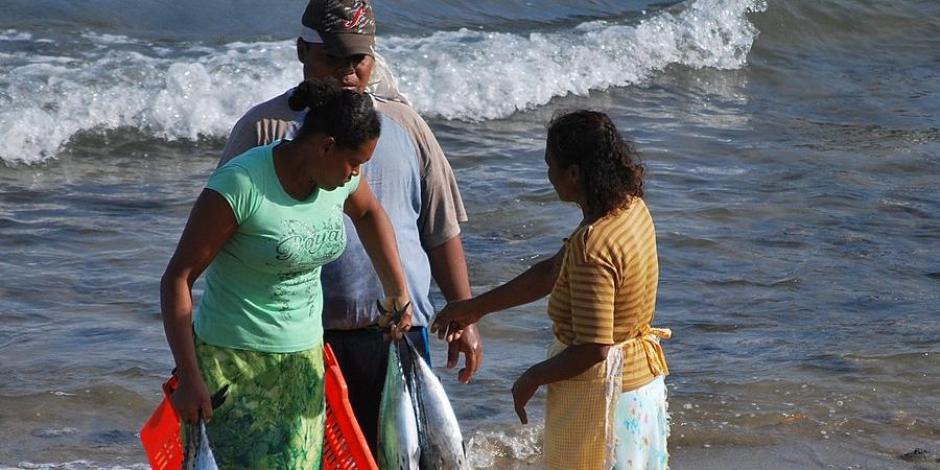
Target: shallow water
792	148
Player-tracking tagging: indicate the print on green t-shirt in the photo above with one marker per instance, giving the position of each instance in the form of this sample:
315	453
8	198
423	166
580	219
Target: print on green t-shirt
318	243
263	288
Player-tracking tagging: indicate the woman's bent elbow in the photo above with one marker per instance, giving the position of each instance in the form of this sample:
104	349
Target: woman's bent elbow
167	282
169	293
600	352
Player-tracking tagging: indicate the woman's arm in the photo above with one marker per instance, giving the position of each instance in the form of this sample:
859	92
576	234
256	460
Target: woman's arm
211	223
573	361
535	283
593	282
378	238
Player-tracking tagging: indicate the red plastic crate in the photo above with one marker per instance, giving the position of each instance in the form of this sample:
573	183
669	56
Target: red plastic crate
344	446
161	433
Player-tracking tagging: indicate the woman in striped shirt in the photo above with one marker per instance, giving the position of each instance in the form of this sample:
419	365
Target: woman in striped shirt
606	404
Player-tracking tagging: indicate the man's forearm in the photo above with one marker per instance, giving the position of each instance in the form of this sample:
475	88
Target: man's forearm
449	268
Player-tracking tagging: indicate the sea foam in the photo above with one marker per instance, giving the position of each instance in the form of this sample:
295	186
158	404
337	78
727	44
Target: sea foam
195	91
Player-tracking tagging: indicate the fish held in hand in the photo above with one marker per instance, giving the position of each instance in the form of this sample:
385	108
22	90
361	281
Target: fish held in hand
398	444
442	446
198	453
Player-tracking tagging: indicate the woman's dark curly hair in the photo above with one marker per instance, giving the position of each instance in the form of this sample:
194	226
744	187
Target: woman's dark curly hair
610	167
347	116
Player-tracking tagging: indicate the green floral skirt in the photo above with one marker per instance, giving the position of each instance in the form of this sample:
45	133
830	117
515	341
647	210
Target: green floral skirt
273	416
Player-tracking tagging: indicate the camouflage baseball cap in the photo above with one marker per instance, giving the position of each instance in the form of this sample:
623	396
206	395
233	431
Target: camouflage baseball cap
346	27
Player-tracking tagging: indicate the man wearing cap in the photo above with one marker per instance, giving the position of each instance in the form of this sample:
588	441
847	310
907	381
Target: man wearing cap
415	184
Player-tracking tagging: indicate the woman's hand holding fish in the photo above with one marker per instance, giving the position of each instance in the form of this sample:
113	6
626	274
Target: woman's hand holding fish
191	399
396	315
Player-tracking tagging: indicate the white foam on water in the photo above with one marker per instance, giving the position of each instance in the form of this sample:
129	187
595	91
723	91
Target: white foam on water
481	75
14	35
46	100
54	432
195	92
487	448
108	39
74	465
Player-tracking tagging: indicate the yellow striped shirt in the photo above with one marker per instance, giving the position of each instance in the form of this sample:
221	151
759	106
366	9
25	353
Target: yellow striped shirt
606	291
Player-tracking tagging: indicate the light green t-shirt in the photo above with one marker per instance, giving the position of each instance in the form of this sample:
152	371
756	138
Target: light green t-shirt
263	288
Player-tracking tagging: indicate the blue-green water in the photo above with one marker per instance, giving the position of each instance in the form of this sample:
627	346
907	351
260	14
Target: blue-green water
794	166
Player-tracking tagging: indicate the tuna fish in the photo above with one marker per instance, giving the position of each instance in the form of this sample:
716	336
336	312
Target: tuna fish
398	446
198	453
442	446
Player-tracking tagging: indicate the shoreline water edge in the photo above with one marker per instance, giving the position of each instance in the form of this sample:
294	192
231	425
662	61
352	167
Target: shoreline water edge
792	154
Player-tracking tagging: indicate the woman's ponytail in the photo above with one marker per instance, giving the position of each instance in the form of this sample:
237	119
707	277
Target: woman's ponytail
346	115
313	94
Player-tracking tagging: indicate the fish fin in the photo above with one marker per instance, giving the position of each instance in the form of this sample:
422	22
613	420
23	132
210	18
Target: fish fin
218	398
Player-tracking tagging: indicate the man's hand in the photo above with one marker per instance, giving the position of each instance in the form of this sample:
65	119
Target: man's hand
470	344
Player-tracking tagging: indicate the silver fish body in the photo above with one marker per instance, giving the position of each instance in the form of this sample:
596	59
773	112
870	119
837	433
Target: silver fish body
398	445
442	446
198	453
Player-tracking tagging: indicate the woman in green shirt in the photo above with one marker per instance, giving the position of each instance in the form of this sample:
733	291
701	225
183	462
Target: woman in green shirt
261	229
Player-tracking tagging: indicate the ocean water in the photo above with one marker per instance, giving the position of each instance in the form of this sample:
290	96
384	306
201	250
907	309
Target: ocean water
793	148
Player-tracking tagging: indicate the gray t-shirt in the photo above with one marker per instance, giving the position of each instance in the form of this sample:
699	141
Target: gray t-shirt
413	181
